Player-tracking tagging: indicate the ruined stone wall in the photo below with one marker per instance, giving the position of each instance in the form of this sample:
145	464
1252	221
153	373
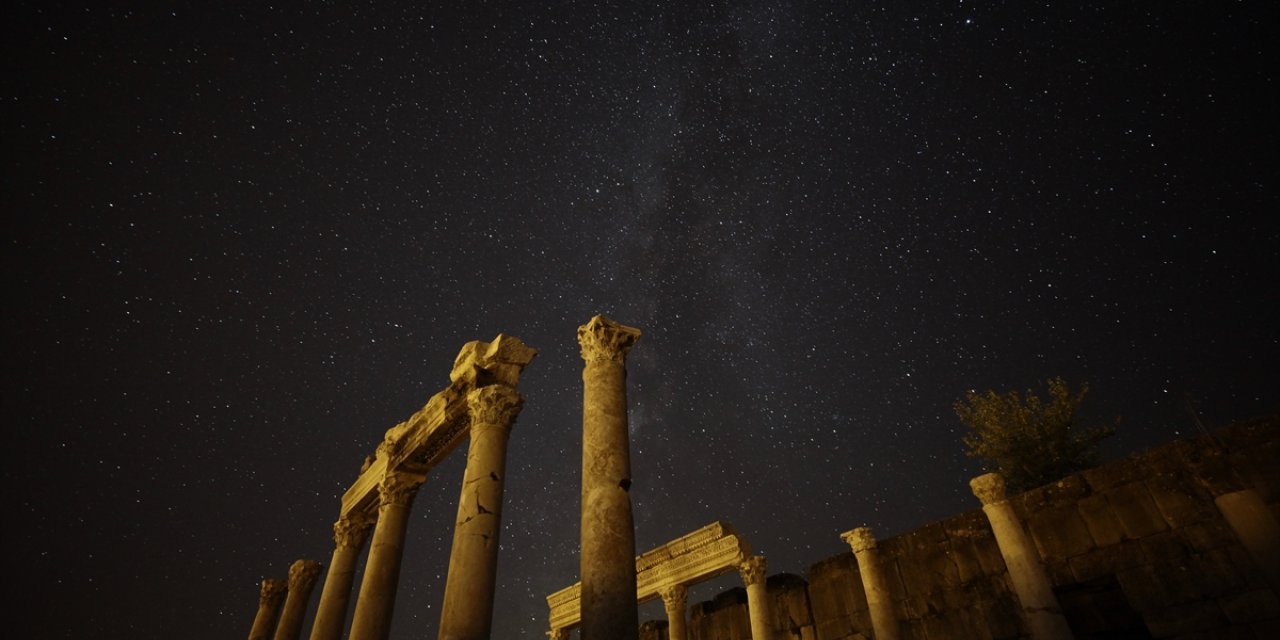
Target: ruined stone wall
1135	547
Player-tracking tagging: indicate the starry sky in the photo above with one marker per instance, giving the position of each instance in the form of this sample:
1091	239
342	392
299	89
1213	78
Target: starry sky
244	240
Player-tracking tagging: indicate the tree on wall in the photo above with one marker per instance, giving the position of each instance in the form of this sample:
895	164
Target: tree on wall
1028	440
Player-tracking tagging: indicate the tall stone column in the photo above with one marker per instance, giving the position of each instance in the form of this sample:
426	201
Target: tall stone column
349	534
1030	581
1257	528
372	619
879	599
269	600
754	572
467	613
302	578
608	566
675	601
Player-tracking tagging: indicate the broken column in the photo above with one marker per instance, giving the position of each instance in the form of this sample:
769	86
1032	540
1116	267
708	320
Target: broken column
269	599
754	570
473	563
1027	574
879	599
372	620
349	534
302	578
675	601
608	547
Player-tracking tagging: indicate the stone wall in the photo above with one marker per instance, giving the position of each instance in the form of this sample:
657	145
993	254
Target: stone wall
1135	548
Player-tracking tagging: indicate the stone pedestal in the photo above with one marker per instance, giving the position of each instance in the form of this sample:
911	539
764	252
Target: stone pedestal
754	572
269	600
372	620
1256	527
467	613
879	599
349	534
608	532
302	578
675	601
1030	581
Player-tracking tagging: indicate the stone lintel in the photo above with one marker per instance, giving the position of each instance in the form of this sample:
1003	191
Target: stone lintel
700	555
420	443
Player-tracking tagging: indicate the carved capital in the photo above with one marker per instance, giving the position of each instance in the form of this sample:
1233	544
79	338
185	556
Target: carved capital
303	574
753	569
603	340
988	487
272	593
495	405
398	489
860	539
559	633
349	531
674	597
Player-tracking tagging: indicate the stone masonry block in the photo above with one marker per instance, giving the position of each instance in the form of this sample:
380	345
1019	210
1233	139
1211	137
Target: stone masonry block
1120	472
1179	500
1060	533
1107	560
1165	547
1101	520
1250	606
1136	511
1208	535
1174	621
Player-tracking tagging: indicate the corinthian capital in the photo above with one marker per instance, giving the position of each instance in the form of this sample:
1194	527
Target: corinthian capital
349	531
398	489
753	569
273	593
496	404
988	487
674	596
604	340
303	574
860	539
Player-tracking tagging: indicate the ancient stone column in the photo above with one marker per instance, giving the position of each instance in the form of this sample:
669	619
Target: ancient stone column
884	623
269	599
467	613
674	600
349	534
559	633
1030	581
1256	527
754	574
372	619
608	566
302	578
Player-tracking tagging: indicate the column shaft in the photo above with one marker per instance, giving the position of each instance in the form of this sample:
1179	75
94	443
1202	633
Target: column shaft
1256	527
349	536
884	623
1030	581
467	613
675	601
608	546
372	619
302	578
269	600
755	576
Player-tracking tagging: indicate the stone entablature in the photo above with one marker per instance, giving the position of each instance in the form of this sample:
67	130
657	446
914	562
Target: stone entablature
420	443
699	555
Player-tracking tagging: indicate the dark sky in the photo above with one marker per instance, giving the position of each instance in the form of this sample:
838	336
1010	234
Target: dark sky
243	241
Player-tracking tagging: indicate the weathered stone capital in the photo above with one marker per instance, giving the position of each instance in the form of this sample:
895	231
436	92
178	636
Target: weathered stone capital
495	405
860	539
603	340
303	574
674	596
350	530
558	634
272	593
988	487
398	489
753	569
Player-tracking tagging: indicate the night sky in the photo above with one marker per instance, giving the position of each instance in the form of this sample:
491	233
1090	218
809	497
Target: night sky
244	241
